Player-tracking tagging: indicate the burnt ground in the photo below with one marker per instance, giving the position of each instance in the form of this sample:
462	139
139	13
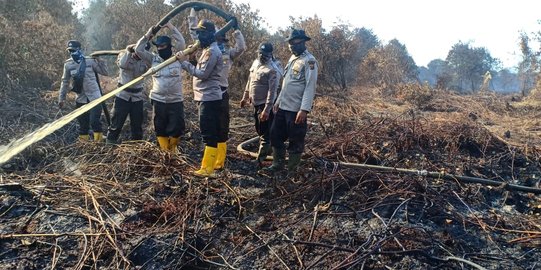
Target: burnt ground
72	205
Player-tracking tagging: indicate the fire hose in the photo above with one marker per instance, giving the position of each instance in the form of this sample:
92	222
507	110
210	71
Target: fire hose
17	146
437	175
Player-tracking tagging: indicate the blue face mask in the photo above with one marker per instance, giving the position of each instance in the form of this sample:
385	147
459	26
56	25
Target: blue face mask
76	55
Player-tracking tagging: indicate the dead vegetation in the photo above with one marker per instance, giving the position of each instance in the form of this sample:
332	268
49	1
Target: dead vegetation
90	206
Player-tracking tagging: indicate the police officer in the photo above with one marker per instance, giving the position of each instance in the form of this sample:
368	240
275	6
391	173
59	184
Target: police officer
166	93
260	91
207	93
229	54
293	104
84	72
130	101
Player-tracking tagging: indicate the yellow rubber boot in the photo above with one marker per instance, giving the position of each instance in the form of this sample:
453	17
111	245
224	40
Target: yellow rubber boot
220	156
84	137
163	142
173	143
98	136
207	164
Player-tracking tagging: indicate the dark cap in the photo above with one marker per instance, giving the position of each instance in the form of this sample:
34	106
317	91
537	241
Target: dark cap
162	40
205	25
265	48
298	34
73	45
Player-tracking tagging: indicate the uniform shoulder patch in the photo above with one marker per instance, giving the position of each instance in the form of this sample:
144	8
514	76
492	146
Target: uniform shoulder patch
312	64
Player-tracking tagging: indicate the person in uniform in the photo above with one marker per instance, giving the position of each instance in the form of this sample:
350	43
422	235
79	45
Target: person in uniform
166	93
84	72
229	54
260	91
130	101
293	104
207	93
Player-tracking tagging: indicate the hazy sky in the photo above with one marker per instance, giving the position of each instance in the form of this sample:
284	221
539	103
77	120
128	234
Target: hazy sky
428	28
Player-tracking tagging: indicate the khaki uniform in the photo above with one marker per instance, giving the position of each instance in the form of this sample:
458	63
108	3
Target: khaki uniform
298	90
299	84
166	83
130	101
262	84
91	89
166	94
207	74
129	69
229	55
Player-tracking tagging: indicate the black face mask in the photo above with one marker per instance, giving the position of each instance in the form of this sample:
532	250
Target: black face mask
297	49
263	59
205	38
165	53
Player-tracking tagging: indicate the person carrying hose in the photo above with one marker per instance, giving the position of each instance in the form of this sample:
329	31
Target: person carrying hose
130	101
207	93
260	91
84	72
228	55
166	93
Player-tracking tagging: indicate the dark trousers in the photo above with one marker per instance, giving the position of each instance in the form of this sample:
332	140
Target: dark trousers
121	110
89	119
168	119
263	128
209	121
284	128
223	130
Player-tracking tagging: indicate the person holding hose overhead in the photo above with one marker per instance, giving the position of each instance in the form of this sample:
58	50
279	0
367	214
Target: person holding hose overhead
166	93
84	72
207	93
228	55
130	101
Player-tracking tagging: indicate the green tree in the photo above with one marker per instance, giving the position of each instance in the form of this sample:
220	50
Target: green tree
528	66
468	65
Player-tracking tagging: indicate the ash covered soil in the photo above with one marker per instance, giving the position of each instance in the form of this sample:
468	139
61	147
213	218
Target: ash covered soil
80	205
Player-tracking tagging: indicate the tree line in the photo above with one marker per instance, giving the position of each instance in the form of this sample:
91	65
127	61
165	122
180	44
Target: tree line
35	33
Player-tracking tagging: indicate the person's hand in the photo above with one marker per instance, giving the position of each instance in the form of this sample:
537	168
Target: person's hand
181	56
275	108
301	117
169	25
60	104
130	48
244	102
264	116
150	33
193	13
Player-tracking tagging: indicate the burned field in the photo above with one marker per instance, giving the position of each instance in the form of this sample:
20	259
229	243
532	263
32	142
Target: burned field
80	205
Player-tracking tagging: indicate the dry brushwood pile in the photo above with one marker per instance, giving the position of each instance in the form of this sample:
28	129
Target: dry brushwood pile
93	206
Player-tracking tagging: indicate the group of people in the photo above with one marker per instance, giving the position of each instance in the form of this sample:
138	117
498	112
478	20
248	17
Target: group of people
279	115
